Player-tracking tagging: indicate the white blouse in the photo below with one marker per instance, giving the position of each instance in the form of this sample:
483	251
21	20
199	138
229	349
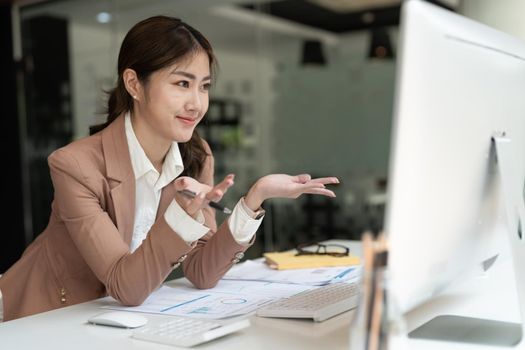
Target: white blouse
149	185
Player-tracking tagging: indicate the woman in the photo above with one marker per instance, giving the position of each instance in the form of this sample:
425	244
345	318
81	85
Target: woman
119	224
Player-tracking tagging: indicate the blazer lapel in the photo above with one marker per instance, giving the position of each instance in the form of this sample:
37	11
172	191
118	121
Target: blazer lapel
120	175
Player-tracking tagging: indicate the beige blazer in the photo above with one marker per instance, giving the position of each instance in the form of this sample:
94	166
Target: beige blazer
83	254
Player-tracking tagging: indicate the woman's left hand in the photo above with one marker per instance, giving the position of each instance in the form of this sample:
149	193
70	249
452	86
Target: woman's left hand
286	186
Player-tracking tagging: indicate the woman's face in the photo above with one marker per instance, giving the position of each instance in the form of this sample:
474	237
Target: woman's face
175	99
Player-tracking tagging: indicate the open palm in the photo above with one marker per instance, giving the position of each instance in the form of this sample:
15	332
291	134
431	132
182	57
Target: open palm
287	186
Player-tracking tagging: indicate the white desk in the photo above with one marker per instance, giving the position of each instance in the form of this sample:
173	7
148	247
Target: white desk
67	328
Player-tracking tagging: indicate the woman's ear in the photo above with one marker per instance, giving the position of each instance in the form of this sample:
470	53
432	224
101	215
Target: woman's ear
132	83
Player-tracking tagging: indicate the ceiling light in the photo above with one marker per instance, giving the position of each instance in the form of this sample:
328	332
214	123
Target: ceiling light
104	17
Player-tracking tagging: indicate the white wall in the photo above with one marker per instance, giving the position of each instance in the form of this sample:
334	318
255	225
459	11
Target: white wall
335	119
247	78
93	67
505	15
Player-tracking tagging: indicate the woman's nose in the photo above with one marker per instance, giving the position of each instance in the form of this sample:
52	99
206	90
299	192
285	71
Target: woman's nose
194	102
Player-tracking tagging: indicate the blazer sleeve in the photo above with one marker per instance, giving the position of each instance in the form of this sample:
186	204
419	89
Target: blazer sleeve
216	252
129	278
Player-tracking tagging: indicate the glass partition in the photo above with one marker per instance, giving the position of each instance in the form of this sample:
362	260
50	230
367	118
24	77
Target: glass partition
291	96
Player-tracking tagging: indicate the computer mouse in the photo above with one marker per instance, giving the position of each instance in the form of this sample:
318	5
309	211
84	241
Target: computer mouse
123	319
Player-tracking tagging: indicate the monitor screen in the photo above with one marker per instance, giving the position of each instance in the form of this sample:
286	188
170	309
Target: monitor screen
458	84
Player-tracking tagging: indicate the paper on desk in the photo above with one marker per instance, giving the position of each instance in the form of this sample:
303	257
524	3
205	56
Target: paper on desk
261	288
257	270
227	299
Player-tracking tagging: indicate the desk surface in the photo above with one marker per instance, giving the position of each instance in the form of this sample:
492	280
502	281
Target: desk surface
67	327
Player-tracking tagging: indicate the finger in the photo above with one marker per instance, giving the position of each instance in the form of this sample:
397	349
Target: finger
321	191
222	187
215	195
309	185
306	188
326	180
226	182
218	191
181	183
302	178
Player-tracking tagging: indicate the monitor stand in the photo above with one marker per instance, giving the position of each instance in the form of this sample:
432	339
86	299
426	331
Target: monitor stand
482	331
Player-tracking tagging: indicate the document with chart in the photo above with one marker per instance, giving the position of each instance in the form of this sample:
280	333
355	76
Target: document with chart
227	299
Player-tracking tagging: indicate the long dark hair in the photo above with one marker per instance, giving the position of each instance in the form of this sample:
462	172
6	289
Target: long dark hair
150	45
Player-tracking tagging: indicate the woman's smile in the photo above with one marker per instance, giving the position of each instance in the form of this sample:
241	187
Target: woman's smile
187	120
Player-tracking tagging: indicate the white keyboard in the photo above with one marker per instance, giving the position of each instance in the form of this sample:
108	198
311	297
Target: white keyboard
186	332
318	304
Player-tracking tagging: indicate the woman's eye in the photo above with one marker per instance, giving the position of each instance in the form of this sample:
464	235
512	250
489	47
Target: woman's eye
206	87
183	83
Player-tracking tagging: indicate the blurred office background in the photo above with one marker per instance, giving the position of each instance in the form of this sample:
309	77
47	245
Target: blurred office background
303	86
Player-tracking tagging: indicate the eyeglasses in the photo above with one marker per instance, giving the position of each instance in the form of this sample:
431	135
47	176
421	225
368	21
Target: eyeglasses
336	250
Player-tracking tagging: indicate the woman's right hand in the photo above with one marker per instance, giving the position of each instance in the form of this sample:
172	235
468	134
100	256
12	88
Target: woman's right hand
204	193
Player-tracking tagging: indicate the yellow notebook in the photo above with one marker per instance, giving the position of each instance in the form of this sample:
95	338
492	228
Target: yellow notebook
288	260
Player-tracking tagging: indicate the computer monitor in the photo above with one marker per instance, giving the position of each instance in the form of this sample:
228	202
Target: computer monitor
459	84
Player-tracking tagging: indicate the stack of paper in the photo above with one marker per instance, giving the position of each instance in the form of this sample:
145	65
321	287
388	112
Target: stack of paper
257	270
288	260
